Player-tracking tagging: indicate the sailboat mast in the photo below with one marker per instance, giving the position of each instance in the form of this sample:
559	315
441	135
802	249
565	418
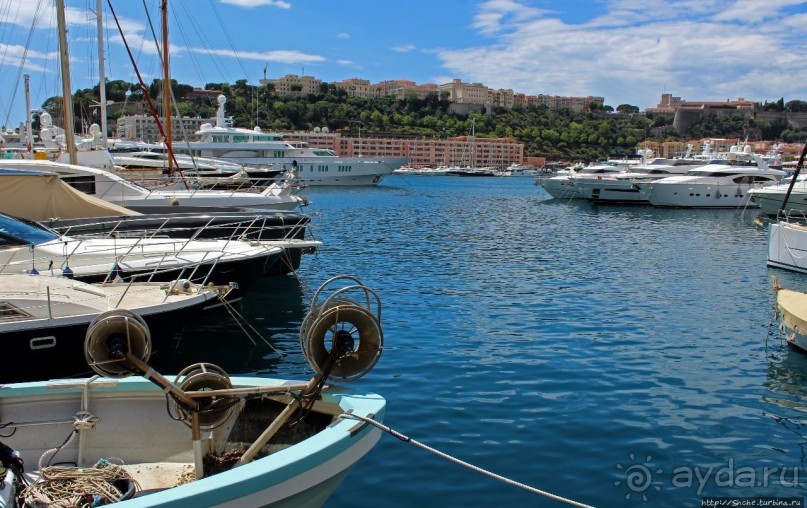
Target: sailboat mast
166	85
29	141
101	74
473	142
67	98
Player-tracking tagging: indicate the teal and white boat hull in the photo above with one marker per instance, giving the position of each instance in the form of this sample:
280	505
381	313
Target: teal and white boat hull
125	421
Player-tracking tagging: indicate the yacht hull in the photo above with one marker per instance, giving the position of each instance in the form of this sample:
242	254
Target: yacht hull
53	348
687	195
559	187
611	191
787	247
770	201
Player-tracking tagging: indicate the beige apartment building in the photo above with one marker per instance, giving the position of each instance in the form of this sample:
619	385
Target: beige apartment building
292	84
576	104
402	88
421	151
144	128
356	87
465	93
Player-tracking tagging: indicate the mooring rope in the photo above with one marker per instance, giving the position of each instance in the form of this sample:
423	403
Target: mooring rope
241	321
408	439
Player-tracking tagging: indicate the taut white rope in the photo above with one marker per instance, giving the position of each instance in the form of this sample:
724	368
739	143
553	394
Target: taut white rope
408	439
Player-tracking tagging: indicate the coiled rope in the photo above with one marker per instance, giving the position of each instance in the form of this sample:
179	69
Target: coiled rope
408	439
61	486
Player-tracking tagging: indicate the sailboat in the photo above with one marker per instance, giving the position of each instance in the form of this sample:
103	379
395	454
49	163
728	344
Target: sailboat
471	169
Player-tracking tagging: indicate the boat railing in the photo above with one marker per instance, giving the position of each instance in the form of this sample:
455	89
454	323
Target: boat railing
177	284
117	255
194	184
250	228
792	216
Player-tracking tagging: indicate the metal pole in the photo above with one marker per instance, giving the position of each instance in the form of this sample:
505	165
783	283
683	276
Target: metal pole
29	135
166	86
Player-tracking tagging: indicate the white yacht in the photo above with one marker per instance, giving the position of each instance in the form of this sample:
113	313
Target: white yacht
45	319
152	160
515	169
720	184
770	198
313	166
180	198
561	185
623	187
29	248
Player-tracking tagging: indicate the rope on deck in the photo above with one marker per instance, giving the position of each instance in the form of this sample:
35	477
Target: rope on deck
408	439
63	487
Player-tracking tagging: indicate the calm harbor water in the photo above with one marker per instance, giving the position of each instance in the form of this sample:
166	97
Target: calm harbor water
619	356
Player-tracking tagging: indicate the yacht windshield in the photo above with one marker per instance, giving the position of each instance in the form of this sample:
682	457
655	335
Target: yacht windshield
23	232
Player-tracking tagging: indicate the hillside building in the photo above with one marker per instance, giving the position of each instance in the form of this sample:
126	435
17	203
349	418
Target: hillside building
292	84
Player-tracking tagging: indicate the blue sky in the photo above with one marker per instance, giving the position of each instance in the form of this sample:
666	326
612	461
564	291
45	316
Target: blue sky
628	51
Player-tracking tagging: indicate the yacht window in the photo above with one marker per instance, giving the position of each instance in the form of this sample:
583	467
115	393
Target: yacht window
85	183
23	232
711	173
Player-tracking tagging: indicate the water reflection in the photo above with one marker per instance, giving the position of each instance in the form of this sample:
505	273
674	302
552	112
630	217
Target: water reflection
236	339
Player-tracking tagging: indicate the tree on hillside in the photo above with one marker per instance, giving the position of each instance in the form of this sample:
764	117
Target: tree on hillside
627	109
796	106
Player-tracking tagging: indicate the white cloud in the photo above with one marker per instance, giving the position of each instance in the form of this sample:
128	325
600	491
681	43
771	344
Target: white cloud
637	49
251	4
492	14
279	56
343	35
404	48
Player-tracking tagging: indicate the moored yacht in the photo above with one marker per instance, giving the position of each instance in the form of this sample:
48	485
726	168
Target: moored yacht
313	166
561	185
716	185
181	197
45	319
29	248
623	187
770	198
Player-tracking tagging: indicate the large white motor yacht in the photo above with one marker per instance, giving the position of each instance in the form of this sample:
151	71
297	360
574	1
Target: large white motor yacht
721	184
562	185
623	187
313	166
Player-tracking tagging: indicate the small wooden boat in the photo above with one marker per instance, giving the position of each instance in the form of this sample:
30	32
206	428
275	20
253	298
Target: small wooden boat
205	439
791	307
